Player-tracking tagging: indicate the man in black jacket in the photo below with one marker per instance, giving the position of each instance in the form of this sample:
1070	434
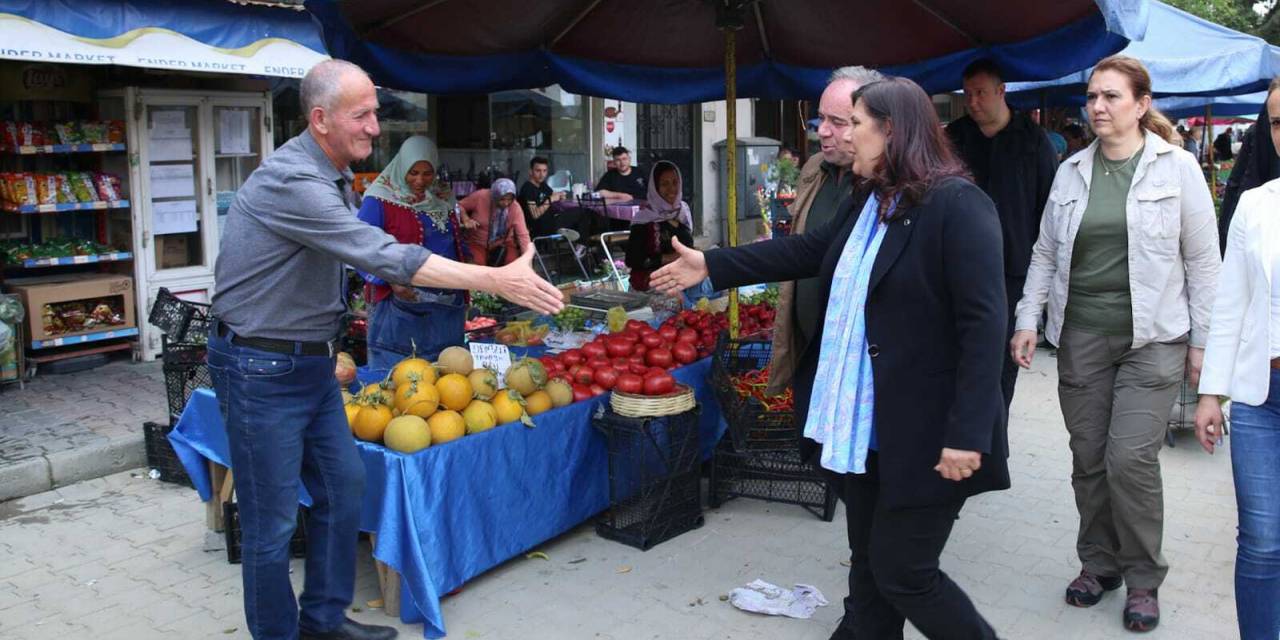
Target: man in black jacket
1013	161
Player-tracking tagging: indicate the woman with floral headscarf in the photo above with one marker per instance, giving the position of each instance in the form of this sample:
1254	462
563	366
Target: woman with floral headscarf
496	231
406	201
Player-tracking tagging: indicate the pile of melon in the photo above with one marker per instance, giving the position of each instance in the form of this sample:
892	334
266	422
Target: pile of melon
421	404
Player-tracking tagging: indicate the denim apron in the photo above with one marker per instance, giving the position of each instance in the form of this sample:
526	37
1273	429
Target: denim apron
396	326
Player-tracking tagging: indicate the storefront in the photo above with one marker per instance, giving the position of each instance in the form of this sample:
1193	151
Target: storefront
126	128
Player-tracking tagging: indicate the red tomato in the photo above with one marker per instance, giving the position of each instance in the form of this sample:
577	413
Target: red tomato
636	358
621	364
656	384
596	363
646	330
593	350
629	335
684	352
571	357
629	383
687	335
652	340
584	375
707	337
639	349
606	377
618	346
636	325
581	392
638	368
597	390
668	334
658	358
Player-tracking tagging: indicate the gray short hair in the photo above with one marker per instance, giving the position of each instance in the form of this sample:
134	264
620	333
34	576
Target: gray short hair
860	76
322	85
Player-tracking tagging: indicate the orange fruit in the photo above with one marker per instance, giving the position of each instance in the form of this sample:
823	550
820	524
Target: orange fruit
455	391
537	402
446	426
371	422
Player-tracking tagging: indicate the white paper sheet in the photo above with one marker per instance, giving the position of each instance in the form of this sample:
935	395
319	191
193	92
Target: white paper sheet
173	217
173	181
168	149
233	131
168	120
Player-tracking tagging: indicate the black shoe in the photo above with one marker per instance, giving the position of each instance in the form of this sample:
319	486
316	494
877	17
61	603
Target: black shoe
842	632
352	630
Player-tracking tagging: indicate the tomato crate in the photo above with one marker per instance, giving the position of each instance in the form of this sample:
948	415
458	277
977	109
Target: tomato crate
231	520
771	476
184	371
161	459
655	487
752	426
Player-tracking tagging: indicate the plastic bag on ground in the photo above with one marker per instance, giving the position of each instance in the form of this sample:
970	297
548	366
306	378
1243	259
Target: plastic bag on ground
770	599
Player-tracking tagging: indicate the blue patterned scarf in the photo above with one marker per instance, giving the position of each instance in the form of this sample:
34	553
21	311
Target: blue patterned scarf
841	415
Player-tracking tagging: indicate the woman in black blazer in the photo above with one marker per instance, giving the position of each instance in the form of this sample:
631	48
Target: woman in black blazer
935	318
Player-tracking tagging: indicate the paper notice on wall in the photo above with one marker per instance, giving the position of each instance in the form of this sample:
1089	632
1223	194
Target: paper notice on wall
173	181
486	355
169	149
173	217
233	131
167	123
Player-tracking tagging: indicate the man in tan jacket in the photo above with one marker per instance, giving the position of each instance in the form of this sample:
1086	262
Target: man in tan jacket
826	180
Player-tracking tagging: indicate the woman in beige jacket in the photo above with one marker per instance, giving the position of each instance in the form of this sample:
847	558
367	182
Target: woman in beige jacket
1127	261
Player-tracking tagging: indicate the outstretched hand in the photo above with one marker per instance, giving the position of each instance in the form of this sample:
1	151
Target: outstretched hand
689	268
519	283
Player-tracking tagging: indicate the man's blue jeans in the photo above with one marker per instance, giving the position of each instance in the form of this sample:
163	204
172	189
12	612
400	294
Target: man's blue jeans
1255	464
284	422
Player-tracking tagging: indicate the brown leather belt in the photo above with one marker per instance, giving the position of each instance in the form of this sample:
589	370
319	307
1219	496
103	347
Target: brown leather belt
1275	364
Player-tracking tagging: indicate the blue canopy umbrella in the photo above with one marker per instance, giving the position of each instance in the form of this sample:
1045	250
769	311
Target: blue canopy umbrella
681	51
672	51
1177	107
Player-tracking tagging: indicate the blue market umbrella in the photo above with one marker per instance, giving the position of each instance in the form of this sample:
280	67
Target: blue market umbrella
681	51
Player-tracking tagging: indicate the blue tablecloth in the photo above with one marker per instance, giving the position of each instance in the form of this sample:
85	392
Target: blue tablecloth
447	514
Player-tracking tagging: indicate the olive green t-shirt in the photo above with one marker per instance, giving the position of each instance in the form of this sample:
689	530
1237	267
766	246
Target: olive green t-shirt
1098	299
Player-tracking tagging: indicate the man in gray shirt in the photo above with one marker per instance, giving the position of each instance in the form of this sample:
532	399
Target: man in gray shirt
279	295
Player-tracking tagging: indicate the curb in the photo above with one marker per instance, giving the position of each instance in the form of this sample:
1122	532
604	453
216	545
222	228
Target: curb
47	472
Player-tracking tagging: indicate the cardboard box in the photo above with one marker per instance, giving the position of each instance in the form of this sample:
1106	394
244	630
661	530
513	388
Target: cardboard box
40	291
172	251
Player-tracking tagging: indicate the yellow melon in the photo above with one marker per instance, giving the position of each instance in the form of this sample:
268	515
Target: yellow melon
407	434
411	369
509	405
417	398
484	382
456	360
537	402
479	416
455	391
446	426
371	421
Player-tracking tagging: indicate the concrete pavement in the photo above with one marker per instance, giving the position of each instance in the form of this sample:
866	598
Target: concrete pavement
128	557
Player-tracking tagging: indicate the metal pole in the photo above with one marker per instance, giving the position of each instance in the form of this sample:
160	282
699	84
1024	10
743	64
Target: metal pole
731	162
1207	144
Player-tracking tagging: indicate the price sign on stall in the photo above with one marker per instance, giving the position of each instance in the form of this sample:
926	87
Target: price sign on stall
491	356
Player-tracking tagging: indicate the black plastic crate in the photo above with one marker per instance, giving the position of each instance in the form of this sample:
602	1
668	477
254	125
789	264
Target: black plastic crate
772	476
654	483
180	320
184	371
752	426
160	455
231	520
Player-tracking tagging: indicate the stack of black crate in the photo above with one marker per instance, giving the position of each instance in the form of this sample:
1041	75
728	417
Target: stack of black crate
760	456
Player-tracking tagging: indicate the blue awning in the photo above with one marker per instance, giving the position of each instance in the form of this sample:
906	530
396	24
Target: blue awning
212	36
1186	56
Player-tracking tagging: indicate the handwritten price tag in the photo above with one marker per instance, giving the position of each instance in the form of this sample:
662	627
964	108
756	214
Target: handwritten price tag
491	356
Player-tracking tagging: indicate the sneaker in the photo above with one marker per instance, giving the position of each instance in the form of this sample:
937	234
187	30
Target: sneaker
1141	610
1087	589
569	234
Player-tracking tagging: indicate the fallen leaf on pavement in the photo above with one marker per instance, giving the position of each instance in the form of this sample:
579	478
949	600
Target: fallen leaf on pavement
626	568
536	555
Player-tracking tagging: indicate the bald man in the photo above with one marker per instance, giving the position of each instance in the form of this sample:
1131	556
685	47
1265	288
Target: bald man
280	293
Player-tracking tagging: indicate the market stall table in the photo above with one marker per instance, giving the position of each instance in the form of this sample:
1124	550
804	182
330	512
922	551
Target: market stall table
622	211
447	514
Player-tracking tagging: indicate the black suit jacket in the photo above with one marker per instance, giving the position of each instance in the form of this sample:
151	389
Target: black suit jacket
935	315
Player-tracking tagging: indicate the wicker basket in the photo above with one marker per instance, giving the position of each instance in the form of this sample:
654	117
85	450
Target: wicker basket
637	406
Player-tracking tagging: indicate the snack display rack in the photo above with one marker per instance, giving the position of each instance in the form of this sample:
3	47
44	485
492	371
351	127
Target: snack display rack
62	217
